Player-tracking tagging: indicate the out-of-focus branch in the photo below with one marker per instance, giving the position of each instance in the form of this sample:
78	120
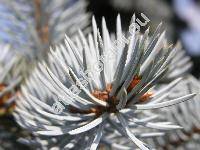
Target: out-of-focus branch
41	25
